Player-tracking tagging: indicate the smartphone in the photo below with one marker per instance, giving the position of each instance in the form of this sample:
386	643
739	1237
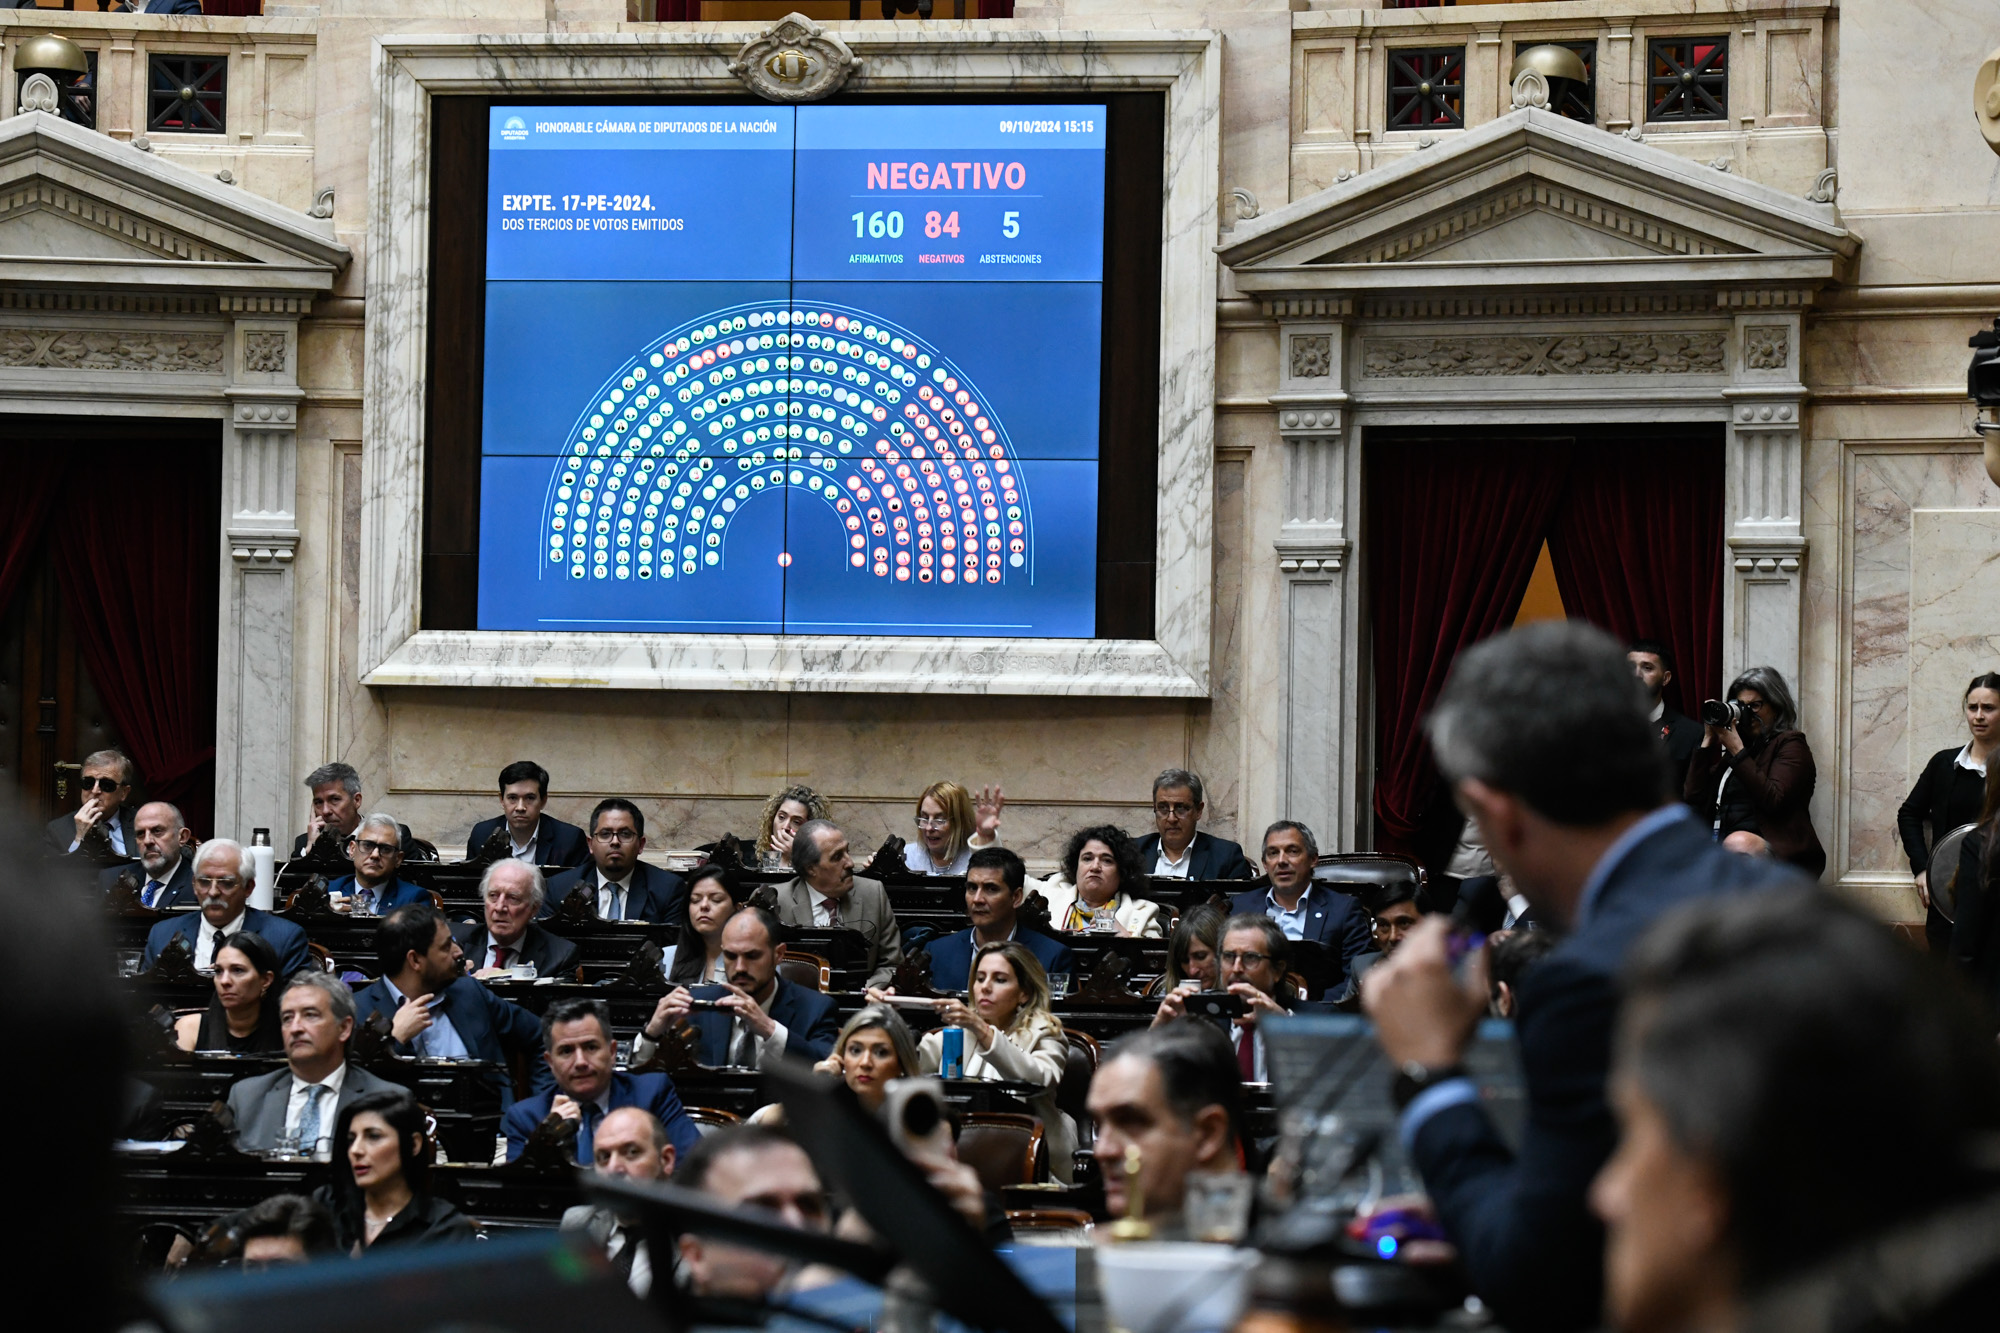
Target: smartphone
1216	1005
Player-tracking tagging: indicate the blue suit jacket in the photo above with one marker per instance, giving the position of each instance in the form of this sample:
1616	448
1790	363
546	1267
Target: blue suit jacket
180	884
655	1092
951	956
556	843
280	934
172	7
488	1025
1211	858
1333	918
1523	1229
655	895
811	1020
396	893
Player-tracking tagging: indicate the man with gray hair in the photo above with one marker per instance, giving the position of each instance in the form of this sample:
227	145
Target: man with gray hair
222	878
510	893
1176	848
165	872
1303	908
376	849
102	823
1544	737
827	895
297	1107
336	804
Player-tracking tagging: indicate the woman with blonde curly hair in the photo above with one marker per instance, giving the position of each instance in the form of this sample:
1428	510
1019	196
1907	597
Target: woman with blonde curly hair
950	823
784	814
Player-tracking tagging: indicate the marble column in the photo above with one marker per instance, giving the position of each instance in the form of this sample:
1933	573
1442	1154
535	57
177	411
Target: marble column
1763	588
253	742
1320	689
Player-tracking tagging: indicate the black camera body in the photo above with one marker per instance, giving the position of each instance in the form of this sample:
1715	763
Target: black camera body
1217	1006
1724	713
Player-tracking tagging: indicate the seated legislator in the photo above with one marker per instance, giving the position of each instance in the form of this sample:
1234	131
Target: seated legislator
784	815
1191	952
222	882
995	882
380	1196
580	1052
828	896
297	1106
1305	910
750	1166
621	886
631	1144
105	783
1254	956
1393	912
1177	848
284	1229
374	889
759	1016
951	825
508	936
1010	1034
434	1009
874	1048
534	837
166	861
242	1018
712	898
336	805
1103	866
1174	1093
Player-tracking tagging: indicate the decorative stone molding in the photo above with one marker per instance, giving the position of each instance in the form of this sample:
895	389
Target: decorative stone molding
795	60
38	93
1767	347
322	204
1491	210
107	219
107	303
263	546
112	349
1530	89
1698	352
1826	187
1312	356
264	353
1510	305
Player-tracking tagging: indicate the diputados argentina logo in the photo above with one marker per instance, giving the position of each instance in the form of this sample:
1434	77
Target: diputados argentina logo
514	130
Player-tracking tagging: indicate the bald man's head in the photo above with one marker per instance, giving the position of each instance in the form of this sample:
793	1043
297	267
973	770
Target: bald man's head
632	1143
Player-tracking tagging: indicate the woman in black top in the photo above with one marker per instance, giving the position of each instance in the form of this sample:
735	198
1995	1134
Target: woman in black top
380	1195
243	1016
712	898
1949	794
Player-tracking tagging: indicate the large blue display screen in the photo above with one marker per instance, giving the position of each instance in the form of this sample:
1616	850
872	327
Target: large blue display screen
814	370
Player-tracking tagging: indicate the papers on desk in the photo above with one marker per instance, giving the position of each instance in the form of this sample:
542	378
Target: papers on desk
148	1147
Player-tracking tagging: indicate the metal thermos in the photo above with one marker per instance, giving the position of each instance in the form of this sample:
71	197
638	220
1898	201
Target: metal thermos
264	857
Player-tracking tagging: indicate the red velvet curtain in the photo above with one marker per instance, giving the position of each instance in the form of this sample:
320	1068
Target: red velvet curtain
1637	548
25	506
136	555
1454	529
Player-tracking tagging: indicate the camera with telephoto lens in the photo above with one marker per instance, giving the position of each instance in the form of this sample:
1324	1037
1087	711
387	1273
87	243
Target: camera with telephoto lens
1720	713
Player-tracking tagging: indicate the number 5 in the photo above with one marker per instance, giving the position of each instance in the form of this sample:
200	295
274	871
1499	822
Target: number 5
1010	225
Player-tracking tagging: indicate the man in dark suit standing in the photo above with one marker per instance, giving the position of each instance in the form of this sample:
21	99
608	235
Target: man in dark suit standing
222	872
434	1009
828	896
1547	744
1304	908
1177	849
166	859
102	825
533	837
996	881
621	886
303	1101
1653	663
759	1017
511	895
581	1053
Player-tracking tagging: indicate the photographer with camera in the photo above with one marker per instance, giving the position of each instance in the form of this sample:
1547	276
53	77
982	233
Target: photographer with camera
1753	772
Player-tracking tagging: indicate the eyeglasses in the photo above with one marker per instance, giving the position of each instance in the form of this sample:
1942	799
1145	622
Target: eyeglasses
617	835
933	821
99	784
1165	811
369	847
1237	958
216	881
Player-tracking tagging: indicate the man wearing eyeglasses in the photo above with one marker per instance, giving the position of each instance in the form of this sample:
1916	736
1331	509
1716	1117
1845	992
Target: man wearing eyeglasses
1254	956
222	878
1177	849
376	849
622	887
102	821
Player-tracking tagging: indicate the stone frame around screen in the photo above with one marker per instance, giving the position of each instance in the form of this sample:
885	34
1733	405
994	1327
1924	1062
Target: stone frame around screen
1183	66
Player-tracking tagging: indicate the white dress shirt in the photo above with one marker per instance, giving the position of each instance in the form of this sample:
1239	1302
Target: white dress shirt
493	947
1965	760
156	885
825	910
204	940
613	895
439	1041
641	1277
1165	867
525	852
295	1107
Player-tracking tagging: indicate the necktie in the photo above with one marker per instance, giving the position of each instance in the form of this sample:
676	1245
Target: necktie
365	899
743	1051
215	943
586	1133
1246	1054
501	953
621	1261
616	897
832	913
309	1121
152	894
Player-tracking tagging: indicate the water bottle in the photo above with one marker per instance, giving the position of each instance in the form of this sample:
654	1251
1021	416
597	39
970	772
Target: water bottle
951	1061
265	859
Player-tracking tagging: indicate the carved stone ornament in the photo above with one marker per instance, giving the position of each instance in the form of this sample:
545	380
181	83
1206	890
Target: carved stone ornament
322	205
1530	89
38	93
112	349
1312	356
264	353
1767	347
1695	353
1826	187
794	60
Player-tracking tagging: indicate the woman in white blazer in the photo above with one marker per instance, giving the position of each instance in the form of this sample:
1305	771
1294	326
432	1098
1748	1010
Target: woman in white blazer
1101	864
